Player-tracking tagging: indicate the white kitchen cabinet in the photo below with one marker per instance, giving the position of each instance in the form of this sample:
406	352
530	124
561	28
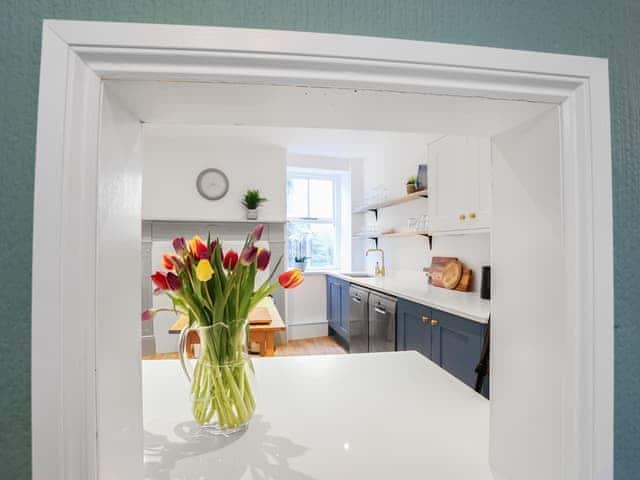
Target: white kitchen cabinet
459	184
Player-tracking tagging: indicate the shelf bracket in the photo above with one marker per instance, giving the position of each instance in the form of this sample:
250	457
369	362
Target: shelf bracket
430	238
375	212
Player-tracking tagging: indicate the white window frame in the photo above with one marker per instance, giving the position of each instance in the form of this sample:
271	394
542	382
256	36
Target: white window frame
313	173
78	56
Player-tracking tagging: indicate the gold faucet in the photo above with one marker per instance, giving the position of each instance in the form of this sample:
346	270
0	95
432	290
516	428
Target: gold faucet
380	271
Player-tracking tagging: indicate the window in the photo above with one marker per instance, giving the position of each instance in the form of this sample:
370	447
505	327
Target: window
313	214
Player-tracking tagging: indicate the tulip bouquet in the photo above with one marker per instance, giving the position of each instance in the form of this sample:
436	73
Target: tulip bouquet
216	291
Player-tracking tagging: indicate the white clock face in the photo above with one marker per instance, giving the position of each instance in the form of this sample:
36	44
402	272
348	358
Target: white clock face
212	184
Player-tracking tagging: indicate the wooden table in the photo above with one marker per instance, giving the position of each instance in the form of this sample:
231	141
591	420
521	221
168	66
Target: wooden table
261	337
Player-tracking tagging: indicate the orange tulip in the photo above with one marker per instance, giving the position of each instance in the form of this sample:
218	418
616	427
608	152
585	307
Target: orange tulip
198	248
167	261
291	278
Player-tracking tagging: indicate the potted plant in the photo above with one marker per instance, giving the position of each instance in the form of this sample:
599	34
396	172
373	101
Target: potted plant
301	263
251	201
411	184
300	260
215	289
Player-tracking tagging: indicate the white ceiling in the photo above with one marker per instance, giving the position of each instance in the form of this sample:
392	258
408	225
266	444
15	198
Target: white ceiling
319	108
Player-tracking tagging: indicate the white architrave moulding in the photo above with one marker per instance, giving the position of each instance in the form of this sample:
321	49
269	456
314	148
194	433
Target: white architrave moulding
77	56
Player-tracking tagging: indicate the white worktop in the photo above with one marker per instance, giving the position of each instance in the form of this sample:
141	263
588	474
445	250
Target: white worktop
413	286
370	416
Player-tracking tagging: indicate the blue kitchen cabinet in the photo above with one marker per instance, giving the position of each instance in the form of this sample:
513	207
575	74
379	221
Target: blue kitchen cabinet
452	342
337	305
456	345
413	327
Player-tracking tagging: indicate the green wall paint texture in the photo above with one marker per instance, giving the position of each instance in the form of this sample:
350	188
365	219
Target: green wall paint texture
601	28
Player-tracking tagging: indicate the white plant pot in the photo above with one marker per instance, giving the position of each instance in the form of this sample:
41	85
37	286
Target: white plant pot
301	265
252	214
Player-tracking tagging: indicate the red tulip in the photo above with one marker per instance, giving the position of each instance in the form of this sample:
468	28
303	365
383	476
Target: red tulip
257	232
167	261
248	255
198	248
173	281
159	279
230	260
148	314
179	245
291	278
263	258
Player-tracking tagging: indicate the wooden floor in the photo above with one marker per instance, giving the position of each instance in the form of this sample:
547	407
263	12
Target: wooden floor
310	346
306	346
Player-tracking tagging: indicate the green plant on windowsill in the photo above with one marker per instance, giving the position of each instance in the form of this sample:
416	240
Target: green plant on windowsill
411	184
251	201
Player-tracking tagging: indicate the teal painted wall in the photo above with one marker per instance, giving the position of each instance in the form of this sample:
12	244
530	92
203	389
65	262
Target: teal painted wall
603	28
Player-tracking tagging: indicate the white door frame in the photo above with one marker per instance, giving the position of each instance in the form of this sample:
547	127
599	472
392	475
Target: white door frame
68	241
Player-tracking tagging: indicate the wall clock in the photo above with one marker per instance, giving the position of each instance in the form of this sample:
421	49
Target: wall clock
212	184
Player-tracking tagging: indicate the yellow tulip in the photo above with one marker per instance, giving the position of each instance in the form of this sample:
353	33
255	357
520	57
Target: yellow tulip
204	271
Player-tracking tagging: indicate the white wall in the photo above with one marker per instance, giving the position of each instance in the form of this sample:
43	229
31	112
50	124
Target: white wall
528	332
173	157
307	308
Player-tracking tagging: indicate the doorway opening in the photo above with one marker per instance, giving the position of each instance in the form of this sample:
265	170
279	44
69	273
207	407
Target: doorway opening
498	160
534	145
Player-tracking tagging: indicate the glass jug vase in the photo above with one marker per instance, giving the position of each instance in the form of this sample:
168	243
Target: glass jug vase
221	376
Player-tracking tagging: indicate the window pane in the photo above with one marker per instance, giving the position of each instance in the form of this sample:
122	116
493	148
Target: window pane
321	198
297	197
317	241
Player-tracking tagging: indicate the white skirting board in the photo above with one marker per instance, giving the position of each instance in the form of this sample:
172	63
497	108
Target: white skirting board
298	331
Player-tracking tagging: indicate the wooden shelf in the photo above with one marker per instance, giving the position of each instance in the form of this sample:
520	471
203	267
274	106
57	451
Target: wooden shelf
367	234
408	233
374	207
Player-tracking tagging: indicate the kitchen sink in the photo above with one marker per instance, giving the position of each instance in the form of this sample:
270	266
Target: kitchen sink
358	275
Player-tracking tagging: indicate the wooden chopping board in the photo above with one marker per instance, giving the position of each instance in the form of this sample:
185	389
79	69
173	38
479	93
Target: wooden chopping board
437	269
465	280
450	273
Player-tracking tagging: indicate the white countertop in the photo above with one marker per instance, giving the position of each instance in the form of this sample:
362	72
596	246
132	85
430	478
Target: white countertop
370	416
413	286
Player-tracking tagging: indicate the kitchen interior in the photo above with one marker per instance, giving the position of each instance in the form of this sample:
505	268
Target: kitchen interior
388	216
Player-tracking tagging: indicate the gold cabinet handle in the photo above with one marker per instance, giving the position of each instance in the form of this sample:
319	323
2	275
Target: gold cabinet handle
434	322
462	216
425	319
472	215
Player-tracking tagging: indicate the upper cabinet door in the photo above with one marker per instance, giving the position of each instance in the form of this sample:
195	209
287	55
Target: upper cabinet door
459	184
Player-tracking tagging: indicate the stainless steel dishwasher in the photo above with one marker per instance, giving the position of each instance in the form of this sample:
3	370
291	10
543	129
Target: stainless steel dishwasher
382	323
358	320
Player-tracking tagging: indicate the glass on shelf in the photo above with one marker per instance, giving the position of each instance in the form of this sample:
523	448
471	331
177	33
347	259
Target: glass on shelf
422	223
